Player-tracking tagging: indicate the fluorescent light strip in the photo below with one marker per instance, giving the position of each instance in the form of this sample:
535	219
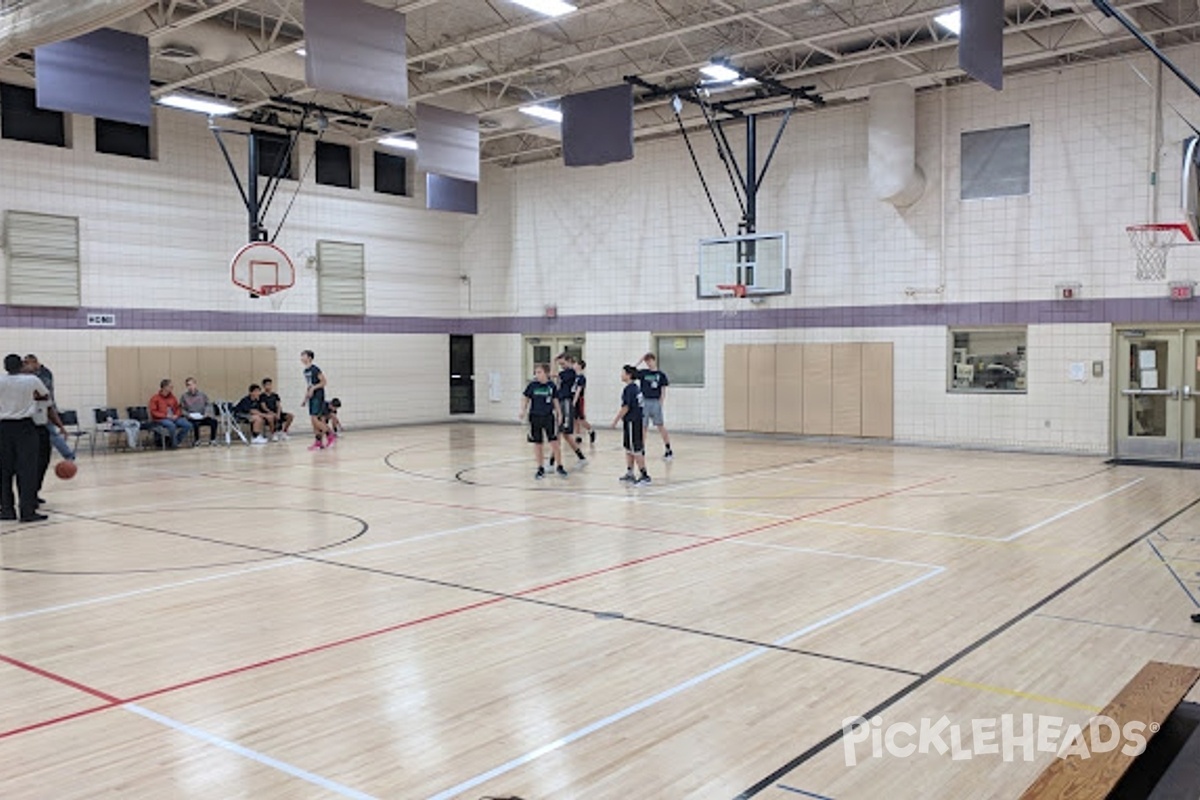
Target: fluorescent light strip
720	73
951	21
399	142
200	105
551	8
543	112
741	82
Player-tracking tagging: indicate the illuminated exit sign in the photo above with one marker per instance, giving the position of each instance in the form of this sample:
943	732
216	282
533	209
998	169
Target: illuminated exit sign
1183	290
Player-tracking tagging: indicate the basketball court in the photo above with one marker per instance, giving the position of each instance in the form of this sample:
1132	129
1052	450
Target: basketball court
413	617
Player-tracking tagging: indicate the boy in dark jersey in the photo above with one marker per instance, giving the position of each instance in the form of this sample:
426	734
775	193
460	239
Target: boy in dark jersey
539	403
631	415
273	404
314	397
566	402
580	410
654	390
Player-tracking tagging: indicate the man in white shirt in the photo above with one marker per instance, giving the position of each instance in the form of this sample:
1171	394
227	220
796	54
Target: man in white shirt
19	396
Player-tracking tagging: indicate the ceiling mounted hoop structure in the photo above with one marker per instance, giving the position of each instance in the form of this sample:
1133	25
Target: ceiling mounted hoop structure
731	294
263	270
1152	242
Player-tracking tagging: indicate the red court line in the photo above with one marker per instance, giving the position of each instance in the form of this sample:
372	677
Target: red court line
59	679
114	702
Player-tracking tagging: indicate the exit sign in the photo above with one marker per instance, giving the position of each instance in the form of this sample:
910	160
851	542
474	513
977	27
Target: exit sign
1183	290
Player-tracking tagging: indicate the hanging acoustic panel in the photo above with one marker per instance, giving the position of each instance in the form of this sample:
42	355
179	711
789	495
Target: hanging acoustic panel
356	48
104	74
981	42
597	126
443	193
447	142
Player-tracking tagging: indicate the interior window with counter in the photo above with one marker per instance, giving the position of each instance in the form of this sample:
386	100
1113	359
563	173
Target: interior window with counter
988	360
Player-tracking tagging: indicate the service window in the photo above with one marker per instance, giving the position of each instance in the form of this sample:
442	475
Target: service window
988	360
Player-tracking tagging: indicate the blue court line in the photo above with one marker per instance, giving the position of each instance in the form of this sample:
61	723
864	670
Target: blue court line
672	691
254	755
787	788
1115	625
1174	574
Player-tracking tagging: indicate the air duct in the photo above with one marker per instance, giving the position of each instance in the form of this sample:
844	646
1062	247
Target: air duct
32	23
892	145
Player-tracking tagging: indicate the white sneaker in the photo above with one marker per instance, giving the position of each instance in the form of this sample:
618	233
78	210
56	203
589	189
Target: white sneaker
283	437
275	437
260	439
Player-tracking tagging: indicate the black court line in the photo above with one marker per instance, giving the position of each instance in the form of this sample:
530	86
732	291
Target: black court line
362	530
307	555
834	738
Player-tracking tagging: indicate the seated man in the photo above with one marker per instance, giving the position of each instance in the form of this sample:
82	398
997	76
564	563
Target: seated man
273	405
249	409
166	414
195	405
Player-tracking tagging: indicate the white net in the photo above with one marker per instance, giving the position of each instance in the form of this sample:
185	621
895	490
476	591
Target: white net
1152	244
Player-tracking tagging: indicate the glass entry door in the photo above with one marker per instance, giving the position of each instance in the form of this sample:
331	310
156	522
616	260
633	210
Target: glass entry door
1189	403
1151	387
544	349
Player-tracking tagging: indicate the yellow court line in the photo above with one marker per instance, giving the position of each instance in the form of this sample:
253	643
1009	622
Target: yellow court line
983	687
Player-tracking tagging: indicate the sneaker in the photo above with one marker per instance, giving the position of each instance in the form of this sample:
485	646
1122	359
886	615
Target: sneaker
541	473
562	473
8	516
628	477
331	440
643	480
592	436
667	456
283	436
260	439
580	455
35	518
316	446
274	437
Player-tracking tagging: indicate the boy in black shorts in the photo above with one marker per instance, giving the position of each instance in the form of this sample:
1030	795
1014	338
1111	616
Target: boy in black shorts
539	403
580	410
332	422
566	403
273	404
314	397
631	414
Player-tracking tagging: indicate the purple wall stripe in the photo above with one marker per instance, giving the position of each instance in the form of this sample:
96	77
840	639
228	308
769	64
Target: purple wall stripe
1136	311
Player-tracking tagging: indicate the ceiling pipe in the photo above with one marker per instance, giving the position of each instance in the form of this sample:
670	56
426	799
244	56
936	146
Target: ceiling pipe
30	24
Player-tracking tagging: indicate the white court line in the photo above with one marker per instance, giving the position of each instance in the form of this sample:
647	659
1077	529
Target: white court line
833	553
667	694
1010	538
287	562
732	476
642	501
253	755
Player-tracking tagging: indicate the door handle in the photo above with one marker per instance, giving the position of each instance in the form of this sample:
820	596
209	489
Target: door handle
1172	392
1188	394
456	377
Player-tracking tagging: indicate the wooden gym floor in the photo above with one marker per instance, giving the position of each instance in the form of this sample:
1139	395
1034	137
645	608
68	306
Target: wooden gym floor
411	615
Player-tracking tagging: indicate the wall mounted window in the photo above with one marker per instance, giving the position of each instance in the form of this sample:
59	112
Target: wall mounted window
391	174
681	356
273	156
995	163
335	165
21	119
43	259
122	139
988	360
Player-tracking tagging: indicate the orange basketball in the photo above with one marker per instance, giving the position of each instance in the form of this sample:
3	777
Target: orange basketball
65	469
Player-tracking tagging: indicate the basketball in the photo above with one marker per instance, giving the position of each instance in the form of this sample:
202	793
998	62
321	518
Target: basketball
65	470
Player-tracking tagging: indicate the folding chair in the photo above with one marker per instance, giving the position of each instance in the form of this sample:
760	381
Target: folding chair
70	421
141	415
108	424
228	423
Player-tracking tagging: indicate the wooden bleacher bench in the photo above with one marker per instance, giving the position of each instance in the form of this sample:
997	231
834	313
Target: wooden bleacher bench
1151	697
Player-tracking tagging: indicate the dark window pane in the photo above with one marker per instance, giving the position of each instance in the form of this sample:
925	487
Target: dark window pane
122	139
391	174
21	119
335	165
272	152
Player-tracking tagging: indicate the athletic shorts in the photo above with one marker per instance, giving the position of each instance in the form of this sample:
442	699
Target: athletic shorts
652	411
568	415
541	428
579	410
316	403
632	439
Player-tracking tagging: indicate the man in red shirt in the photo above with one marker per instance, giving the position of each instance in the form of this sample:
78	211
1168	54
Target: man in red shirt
166	414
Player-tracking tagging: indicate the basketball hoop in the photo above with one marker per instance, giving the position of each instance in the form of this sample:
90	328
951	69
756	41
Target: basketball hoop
731	293
1152	242
263	270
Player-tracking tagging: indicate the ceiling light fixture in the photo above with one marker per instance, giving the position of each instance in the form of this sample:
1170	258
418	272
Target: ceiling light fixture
399	142
950	20
720	73
198	104
543	112
551	8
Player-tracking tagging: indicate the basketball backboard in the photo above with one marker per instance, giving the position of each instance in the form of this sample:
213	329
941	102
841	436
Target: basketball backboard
757	261
262	269
1190	184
